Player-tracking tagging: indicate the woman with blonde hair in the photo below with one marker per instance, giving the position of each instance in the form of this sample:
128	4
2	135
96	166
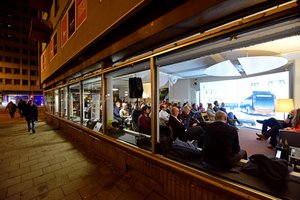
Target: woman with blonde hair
295	122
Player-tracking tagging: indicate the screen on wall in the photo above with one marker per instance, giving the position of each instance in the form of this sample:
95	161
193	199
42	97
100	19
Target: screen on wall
249	98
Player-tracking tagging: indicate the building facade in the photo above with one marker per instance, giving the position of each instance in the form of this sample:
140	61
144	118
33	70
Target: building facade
95	48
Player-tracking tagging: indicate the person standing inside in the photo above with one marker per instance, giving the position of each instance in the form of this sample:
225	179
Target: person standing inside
221	148
11	107
31	115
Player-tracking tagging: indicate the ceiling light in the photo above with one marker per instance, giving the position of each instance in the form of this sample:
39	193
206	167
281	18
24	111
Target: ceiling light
259	64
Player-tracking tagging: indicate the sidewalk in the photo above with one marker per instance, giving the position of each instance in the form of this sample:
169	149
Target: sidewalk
44	165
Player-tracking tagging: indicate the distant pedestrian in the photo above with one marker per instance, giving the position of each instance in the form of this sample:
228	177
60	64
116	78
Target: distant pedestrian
21	107
11	107
31	115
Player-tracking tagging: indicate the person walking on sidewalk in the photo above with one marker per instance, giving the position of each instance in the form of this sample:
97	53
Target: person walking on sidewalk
31	115
11	107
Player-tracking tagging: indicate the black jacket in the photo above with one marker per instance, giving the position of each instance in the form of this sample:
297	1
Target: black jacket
221	144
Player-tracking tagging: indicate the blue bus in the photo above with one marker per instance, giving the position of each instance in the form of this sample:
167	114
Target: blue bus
260	102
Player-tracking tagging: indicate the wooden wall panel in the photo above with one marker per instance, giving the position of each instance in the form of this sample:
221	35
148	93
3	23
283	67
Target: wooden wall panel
166	180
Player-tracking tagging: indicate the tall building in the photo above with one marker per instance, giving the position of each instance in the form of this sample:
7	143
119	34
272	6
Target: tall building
19	71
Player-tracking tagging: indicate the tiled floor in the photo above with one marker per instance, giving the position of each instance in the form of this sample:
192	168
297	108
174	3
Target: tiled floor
45	165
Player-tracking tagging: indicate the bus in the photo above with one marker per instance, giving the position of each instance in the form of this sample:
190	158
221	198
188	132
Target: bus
260	102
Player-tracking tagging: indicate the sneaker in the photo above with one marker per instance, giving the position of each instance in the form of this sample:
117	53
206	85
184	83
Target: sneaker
260	121
33	131
29	129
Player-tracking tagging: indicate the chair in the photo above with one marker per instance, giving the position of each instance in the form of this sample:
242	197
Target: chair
286	140
204	117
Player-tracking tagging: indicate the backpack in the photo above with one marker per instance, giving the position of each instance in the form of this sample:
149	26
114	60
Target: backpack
272	170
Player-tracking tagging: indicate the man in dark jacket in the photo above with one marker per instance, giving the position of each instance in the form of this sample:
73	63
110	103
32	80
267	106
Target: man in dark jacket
31	115
221	148
179	130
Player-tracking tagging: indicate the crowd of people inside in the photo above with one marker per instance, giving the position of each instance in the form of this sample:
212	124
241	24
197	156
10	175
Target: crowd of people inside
217	135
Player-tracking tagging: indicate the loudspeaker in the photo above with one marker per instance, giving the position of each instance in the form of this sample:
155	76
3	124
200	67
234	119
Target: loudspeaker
135	87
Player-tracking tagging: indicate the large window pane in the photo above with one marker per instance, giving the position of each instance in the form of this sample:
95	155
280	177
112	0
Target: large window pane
74	109
128	91
64	102
49	101
92	103
56	102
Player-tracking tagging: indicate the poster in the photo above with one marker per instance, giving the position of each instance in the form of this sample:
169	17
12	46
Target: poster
81	12
64	30
71	20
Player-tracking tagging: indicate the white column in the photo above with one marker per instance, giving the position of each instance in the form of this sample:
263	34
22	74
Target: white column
297	83
109	98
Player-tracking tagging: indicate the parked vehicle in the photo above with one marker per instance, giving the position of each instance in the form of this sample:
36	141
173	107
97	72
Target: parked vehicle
260	102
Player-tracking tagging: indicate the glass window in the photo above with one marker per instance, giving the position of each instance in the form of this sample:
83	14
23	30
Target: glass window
24	82
33	83
8	81
16	82
49	102
8	70
92	103
16	71
32	72
64	102
56	102
24	71
74	108
128	95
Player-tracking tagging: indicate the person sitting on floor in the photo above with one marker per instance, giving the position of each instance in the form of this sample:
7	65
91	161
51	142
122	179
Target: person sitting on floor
183	133
271	127
221	148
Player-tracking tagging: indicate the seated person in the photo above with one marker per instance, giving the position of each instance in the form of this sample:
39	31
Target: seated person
221	148
124	111
295	122
144	121
186	117
216	107
201	108
231	118
271	127
163	115
136	112
117	111
183	133
211	113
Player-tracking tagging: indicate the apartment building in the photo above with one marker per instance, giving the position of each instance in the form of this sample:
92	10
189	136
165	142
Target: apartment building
19	72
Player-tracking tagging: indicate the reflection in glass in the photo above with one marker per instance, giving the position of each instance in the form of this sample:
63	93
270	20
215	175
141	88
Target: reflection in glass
125	120
64	102
56	102
74	109
92	102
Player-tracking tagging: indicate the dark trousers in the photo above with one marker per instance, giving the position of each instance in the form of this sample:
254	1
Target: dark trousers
12	114
193	133
30	124
275	126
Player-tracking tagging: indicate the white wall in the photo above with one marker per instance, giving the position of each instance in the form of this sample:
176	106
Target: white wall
180	91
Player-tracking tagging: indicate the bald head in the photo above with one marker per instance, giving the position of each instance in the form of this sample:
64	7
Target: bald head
221	116
174	111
